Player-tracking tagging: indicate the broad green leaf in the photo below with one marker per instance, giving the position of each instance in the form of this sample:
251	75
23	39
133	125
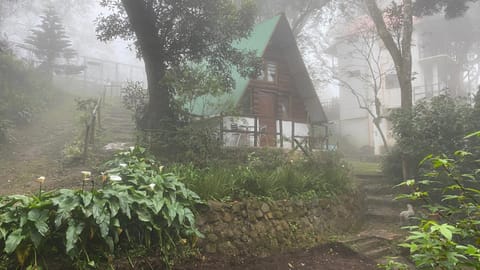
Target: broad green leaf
74	230
13	240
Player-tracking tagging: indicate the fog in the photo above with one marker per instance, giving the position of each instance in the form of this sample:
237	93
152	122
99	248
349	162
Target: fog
223	133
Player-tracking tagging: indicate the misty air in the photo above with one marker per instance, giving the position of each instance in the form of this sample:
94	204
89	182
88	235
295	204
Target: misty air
239	134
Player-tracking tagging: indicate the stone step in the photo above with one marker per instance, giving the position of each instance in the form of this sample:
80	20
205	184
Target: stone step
385	200
377	189
364	243
378	252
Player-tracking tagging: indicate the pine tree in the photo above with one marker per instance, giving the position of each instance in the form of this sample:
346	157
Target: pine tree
50	41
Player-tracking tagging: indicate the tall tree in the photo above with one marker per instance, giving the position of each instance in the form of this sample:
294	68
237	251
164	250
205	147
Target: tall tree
50	41
172	33
395	27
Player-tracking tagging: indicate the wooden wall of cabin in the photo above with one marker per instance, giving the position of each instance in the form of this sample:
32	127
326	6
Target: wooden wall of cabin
274	100
288	105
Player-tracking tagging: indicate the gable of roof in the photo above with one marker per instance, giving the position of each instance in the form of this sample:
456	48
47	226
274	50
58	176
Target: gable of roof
258	41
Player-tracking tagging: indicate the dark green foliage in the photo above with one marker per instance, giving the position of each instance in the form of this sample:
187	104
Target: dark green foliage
431	127
137	206
448	232
50	42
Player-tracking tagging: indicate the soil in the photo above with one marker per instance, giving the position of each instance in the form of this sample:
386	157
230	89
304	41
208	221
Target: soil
332	256
37	150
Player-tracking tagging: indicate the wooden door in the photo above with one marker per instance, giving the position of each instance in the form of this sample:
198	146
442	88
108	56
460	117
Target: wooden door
265	109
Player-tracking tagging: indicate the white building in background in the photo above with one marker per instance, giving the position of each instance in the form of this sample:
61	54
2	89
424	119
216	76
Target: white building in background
440	66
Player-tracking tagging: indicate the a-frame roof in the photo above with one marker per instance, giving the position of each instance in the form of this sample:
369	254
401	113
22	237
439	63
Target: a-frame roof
258	41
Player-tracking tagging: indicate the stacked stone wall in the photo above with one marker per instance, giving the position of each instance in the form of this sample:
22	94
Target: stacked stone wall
260	228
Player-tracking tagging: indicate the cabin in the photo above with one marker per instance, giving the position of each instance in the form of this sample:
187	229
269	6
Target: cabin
280	108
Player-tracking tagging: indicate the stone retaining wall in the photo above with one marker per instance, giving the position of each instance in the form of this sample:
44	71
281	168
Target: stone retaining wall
261	228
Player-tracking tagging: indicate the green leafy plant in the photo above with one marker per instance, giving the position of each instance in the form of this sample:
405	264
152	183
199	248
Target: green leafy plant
448	233
139	206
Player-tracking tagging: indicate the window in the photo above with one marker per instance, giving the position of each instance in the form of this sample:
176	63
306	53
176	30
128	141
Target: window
391	81
269	72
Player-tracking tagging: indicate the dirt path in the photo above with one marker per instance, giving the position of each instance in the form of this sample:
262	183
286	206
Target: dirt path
37	150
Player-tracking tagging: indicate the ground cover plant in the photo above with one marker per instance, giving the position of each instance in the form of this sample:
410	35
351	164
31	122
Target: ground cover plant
267	173
135	206
447	234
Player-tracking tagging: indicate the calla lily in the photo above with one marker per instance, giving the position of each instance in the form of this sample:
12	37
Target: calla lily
86	175
115	178
152	186
40	180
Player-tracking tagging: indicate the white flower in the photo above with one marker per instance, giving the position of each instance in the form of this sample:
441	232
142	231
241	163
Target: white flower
123	165
131	148
86	175
161	168
152	186
115	178
40	179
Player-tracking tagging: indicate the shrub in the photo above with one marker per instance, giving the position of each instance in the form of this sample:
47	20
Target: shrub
431	127
448	232
139	206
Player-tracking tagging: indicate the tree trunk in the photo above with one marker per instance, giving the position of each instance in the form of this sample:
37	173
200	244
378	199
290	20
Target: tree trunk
159	114
376	122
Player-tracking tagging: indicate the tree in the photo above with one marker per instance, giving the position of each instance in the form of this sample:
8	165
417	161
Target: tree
169	34
367	83
49	41
395	27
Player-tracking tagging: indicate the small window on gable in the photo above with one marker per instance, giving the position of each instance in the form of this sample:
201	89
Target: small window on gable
269	72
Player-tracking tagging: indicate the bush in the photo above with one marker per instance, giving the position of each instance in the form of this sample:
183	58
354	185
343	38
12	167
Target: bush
23	92
431	127
138	206
448	232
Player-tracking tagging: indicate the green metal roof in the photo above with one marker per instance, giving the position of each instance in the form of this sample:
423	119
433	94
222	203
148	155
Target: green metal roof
209	105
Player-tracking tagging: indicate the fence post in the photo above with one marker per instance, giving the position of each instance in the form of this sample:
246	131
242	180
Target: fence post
92	131
85	143
293	134
255	132
281	132
222	130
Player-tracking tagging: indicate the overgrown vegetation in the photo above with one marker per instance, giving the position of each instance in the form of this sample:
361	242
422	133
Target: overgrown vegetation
431	127
23	93
448	232
267	173
136	206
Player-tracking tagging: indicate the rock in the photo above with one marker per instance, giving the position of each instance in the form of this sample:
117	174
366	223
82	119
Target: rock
236	207
259	214
227	217
117	146
215	206
265	208
212	238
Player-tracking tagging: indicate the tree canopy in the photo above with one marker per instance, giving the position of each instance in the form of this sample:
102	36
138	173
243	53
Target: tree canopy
170	33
